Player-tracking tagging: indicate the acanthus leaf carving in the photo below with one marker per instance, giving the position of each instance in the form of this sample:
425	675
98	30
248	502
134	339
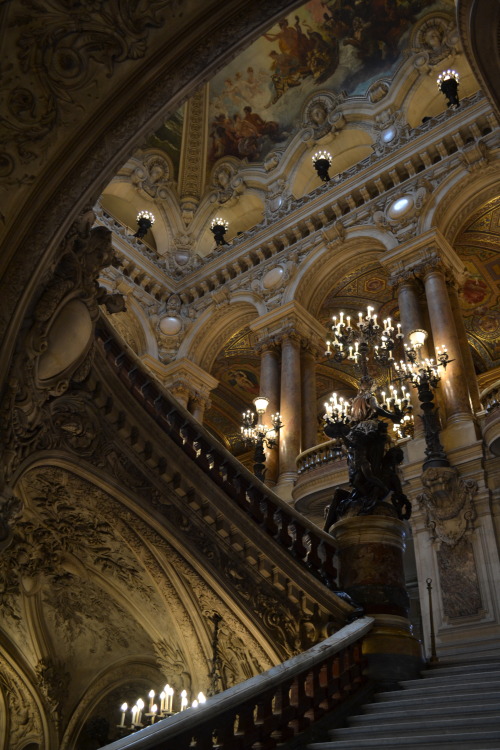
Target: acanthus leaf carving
53	680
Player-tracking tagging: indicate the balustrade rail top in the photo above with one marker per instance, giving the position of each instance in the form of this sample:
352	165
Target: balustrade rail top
167	729
108	337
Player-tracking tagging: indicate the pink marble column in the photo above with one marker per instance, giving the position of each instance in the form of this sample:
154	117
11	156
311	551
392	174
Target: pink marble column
270	388
309	398
290	401
412	319
453	379
470	371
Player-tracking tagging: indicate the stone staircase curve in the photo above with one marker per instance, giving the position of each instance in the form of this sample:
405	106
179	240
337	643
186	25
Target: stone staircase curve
454	706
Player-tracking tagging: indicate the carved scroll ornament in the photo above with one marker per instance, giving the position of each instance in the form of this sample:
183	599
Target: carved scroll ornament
448	504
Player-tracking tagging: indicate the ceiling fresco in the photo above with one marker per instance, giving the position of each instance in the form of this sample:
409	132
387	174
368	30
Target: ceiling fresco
339	45
478	245
168	138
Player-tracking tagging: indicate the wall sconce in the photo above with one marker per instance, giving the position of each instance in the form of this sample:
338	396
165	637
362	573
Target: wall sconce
322	161
447	83
219	228
145	220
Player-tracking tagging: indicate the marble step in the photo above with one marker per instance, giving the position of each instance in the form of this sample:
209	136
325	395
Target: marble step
427	725
443	689
463	669
452	741
463	679
386	713
460	698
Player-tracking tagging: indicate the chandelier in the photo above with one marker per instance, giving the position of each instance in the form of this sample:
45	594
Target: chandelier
145	220
322	161
362	422
219	227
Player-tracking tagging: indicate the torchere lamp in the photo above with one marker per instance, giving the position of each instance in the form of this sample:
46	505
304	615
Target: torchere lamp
447	83
260	435
424	376
219	227
145	221
322	161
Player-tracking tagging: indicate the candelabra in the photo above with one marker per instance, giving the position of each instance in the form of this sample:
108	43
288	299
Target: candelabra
362	422
423	374
219	227
322	161
260	435
145	221
139	717
363	338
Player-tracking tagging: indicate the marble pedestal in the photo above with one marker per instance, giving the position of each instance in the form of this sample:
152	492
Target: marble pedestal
371	572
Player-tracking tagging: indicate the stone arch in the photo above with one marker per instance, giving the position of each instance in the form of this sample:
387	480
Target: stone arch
213	329
108	682
173	581
463	193
316	278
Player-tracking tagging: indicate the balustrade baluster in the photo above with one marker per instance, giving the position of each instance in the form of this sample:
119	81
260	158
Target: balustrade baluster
225	732
265	721
299	548
268	516
246	728
283	536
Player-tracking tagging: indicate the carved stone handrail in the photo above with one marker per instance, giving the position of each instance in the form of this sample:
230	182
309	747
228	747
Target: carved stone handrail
270	708
301	538
319	455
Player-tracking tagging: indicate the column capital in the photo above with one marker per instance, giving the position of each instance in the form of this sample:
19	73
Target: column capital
291	317
417	257
267	343
187	375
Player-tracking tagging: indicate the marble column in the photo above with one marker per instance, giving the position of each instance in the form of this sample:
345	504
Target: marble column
290	401
270	388
309	397
412	319
468	362
453	379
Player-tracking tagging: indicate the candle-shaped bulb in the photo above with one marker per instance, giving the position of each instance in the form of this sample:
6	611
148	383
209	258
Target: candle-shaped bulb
123	709
201	698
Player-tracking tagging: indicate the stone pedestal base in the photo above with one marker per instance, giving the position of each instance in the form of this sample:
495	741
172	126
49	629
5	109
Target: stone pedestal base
371	572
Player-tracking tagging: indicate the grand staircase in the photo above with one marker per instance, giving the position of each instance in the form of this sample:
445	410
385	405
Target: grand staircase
454	707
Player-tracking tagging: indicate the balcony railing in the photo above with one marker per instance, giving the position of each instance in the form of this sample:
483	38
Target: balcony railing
490	399
319	455
270	708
